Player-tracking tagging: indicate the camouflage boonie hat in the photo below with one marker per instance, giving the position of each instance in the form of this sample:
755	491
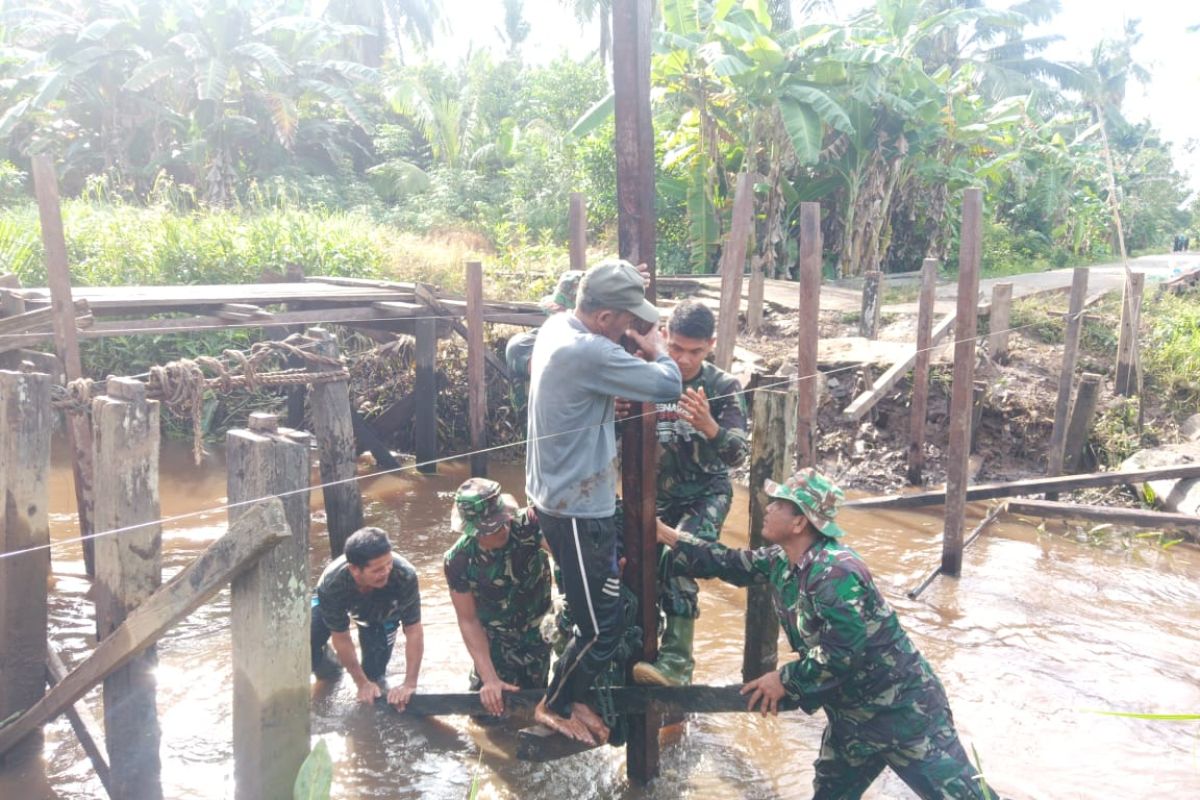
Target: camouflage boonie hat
565	291
480	508
815	495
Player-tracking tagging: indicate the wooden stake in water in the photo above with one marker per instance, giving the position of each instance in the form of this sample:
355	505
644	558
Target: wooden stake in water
425	391
476	382
334	428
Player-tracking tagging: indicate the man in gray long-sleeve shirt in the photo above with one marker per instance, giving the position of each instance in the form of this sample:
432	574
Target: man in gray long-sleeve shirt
571	467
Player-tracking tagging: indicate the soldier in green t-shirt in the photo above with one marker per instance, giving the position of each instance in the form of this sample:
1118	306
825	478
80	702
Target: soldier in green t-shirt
499	577
519	350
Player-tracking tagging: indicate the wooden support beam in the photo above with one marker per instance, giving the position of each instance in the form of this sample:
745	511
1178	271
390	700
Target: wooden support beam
920	382
66	344
999	321
957	471
772	444
32	320
1187	525
887	381
26	421
868	319
334	429
260	529
733	262
577	230
476	382
440	307
1087	396
1128	379
1066	376
808	335
270	609
128	571
913	594
425	391
1062	483
87	729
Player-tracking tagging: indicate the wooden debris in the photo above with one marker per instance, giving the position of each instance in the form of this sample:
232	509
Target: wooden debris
1188	525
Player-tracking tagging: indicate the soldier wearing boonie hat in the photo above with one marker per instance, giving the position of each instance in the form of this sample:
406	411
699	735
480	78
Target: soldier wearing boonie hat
499	579
519	350
885	705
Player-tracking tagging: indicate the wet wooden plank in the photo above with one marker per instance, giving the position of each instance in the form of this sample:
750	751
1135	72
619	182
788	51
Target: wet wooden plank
87	728
1187	525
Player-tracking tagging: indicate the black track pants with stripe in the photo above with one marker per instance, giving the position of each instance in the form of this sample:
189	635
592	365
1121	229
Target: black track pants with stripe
586	552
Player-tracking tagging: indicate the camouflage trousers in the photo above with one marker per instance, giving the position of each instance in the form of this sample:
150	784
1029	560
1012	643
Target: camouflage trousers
520	657
702	516
919	744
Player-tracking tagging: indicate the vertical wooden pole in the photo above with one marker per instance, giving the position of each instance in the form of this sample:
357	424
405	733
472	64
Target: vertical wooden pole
636	243
334	428
577	230
25	425
128	570
999	321
476	382
425	391
1127	383
868	320
270	613
1066	376
733	262
1082	411
754	304
970	250
66	344
771	447
809	335
920	384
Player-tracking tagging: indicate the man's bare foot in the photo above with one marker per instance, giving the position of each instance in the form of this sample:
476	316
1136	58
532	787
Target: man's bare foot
571	727
591	719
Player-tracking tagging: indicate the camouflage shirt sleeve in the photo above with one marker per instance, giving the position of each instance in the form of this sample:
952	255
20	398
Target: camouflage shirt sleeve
700	559
732	443
838	620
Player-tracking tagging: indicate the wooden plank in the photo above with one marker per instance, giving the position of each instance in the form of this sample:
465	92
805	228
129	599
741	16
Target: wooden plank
260	529
26	421
128	571
270	610
733	262
920	382
334	429
1066	375
66	345
808	335
868	319
440	307
999	322
1062	483
885	382
962	389
476	383
31	320
1128	380
399	287
772	444
87	729
425	390
146	299
244	312
577	230
1187	525
1087	396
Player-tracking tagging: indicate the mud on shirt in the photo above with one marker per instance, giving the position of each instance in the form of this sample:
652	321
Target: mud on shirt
339	601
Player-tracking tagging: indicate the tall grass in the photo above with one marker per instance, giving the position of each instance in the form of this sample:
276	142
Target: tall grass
1170	349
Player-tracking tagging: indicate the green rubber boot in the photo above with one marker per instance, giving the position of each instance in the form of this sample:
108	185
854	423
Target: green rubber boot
674	664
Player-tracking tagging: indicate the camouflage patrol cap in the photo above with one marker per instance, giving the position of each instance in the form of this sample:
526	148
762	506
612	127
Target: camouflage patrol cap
480	508
815	495
565	291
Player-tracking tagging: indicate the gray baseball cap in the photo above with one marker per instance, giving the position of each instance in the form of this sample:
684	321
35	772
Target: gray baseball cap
617	284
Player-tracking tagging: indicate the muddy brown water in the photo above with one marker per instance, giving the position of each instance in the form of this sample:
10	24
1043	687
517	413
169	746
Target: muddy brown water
1040	633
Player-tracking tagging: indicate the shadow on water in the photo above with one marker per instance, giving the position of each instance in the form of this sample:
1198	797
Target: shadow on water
1040	629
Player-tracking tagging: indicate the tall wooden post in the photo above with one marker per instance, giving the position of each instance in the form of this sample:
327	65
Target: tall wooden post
128	570
1082	411
999	321
577	230
66	343
771	446
636	243
970	250
270	614
809	335
754	303
334	428
476	383
733	262
920	384
25	425
1128	382
425	391
868	320
1066	376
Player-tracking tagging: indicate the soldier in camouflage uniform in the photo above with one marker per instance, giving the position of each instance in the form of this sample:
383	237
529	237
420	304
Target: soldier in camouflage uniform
701	437
884	704
499	577
519	350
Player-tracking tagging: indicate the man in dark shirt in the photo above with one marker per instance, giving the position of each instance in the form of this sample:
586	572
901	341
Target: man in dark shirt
377	590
